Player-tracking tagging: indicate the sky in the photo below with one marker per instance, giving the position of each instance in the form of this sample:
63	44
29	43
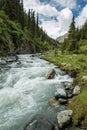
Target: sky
55	16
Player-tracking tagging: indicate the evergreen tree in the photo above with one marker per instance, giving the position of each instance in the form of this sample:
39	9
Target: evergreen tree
37	25
32	24
72	37
29	18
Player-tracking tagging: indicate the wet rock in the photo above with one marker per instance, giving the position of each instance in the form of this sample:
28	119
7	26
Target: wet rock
50	74
11	59
53	102
62	101
39	123
2	62
76	90
60	94
64	118
69	95
73	74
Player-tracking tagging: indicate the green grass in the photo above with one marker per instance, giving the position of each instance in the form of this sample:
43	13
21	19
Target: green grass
77	62
74	60
79	106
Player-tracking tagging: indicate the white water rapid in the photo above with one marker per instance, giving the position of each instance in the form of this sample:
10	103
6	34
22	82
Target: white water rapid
24	91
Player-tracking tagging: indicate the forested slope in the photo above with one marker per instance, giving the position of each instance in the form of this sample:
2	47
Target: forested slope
19	31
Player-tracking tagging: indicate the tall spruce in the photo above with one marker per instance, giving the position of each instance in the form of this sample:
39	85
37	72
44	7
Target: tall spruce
29	18
72	46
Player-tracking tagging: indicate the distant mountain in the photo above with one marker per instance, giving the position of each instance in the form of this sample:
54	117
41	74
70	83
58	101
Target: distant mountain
61	38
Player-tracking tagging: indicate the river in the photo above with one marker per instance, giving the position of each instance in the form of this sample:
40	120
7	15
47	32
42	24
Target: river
24	91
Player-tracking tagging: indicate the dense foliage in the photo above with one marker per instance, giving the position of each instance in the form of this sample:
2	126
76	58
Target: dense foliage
19	31
77	39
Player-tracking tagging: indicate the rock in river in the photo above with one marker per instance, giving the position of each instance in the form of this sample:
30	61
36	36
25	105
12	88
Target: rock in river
64	118
60	94
76	90
53	102
50	75
62	101
39	123
2	62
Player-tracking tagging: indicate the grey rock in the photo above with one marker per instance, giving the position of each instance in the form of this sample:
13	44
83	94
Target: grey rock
50	74
76	90
40	123
2	62
84	78
70	95
60	94
62	101
11	59
64	118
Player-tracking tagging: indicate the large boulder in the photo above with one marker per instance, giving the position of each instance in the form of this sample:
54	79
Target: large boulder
50	74
60	94
64	118
40	123
2	62
76	90
11	58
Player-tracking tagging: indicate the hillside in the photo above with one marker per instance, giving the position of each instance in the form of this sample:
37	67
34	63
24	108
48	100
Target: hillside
61	38
21	33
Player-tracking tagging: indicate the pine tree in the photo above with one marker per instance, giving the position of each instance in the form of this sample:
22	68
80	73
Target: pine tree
72	46
37	25
29	18
32	24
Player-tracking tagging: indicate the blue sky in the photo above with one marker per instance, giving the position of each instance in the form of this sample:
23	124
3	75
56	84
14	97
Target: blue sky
56	15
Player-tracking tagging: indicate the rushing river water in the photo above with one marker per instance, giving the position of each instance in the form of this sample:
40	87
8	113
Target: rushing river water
24	91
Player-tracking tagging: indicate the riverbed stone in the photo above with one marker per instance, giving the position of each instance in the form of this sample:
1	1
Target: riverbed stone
62	101
73	74
60	93
11	58
64	118
2	62
50	74
76	90
53	102
39	123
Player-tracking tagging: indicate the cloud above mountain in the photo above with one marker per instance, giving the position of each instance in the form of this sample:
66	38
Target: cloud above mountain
80	20
55	15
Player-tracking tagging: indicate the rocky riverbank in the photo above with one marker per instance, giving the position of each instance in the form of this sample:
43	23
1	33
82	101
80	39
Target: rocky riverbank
8	59
75	66
63	119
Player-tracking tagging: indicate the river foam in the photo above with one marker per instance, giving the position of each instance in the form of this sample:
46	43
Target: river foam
25	91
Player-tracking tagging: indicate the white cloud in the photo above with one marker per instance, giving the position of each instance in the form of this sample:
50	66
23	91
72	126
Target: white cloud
54	28
36	5
51	27
81	19
59	27
66	3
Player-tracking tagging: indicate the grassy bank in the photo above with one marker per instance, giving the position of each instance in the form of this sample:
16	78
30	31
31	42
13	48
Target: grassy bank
75	62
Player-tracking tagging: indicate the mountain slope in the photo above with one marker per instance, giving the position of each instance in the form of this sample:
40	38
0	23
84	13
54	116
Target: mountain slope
61	38
15	40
